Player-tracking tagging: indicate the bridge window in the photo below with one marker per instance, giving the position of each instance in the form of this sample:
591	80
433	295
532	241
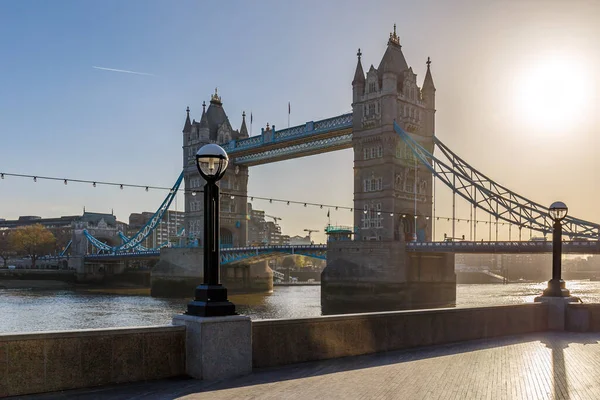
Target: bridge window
371	87
372	216
373	184
379	152
371	109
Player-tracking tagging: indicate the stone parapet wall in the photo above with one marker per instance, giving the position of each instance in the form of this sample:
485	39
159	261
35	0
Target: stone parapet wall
53	361
582	317
282	342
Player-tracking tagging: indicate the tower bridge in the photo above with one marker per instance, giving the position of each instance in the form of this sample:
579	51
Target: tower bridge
397	159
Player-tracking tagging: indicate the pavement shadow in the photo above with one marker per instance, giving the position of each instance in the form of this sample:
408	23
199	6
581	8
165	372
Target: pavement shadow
181	387
558	344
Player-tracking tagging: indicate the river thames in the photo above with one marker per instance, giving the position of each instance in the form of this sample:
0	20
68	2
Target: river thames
47	310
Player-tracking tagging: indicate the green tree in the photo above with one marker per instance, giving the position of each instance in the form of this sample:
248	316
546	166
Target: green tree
62	238
32	241
6	249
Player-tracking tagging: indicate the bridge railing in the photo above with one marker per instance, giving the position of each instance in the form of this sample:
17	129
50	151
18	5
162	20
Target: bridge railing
504	246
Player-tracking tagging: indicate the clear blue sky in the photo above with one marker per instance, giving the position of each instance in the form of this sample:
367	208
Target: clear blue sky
61	117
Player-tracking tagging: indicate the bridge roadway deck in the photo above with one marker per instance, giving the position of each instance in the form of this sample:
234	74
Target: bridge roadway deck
548	365
505	247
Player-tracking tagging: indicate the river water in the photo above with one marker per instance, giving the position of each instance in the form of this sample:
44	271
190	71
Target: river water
48	310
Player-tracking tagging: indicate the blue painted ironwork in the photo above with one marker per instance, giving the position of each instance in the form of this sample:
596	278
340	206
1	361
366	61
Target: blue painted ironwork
305	148
97	243
495	199
126	239
145	231
292	142
64	251
230	255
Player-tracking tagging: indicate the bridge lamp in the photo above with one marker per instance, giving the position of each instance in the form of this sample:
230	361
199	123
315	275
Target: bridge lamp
211	297
556	286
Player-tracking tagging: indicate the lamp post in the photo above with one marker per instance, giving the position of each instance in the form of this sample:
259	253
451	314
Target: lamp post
556	286
211	297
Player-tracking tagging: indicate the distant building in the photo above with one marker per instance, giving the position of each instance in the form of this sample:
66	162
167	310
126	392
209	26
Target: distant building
262	232
170	227
63	227
257	233
300	240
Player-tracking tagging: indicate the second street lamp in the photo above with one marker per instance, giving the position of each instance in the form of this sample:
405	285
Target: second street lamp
211	297
556	286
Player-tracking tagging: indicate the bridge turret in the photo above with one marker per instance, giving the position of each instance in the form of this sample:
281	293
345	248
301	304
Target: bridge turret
428	94
203	128
243	129
358	83
187	127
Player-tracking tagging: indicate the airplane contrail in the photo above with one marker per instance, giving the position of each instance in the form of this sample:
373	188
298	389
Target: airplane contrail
123	70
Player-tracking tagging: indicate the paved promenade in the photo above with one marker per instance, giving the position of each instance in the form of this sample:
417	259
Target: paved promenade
537	366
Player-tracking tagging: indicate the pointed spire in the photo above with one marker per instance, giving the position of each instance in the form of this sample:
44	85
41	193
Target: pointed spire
244	129
187	128
204	118
428	82
394	39
359	74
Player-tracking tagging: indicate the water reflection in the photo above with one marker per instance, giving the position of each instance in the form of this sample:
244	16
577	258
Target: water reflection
35	310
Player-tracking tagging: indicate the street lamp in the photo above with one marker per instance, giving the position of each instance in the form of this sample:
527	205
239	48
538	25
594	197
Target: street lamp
556	286
211	297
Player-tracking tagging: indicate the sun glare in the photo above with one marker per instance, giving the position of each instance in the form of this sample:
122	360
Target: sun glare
551	94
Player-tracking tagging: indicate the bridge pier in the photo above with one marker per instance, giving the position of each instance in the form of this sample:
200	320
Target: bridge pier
383	276
180	270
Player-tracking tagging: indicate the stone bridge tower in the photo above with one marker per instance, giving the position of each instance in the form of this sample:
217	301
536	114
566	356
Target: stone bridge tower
214	127
390	186
376	272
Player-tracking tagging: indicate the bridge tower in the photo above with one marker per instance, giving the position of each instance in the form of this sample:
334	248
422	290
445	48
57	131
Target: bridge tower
390	187
214	127
375	272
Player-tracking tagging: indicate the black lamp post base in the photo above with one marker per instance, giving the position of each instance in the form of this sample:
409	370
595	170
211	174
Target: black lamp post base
211	301
556	288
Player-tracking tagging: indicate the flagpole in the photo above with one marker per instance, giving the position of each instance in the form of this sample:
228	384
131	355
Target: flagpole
251	122
289	112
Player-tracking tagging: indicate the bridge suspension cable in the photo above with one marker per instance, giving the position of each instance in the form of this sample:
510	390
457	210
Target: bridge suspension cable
484	193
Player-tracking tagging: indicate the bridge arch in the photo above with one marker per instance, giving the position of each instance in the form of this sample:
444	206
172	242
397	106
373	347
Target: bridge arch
405	223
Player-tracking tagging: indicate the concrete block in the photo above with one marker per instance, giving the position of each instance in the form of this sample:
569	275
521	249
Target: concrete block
217	347
557	309
577	319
